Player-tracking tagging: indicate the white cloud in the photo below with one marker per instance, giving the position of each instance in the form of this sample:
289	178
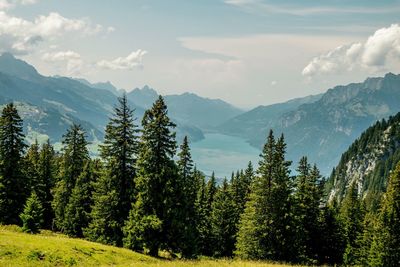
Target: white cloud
20	36
133	60
273	83
72	60
381	51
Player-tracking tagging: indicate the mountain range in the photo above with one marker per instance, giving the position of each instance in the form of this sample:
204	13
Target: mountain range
322	126
50	104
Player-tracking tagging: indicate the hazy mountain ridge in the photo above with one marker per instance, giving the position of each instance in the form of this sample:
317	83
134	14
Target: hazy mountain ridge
79	101
260	119
324	128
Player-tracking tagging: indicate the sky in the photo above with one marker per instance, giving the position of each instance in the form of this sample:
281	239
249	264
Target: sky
246	52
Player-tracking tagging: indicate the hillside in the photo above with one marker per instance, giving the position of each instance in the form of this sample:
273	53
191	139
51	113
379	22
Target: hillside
323	129
368	162
260	119
50	249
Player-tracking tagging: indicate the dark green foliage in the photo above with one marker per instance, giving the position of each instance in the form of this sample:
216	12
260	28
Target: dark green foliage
352	216
13	185
39	170
156	182
265	229
223	221
187	200
205	199
142	232
386	243
307	199
32	216
330	242
31	166
79	205
116	186
203	223
74	157
102	227
240	191
46	180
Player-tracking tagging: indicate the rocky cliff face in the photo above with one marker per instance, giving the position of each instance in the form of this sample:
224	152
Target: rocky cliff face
368	162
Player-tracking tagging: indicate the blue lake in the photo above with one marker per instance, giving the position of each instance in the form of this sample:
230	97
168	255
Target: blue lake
223	154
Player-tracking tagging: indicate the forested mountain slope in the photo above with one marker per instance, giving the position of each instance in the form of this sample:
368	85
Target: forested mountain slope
368	162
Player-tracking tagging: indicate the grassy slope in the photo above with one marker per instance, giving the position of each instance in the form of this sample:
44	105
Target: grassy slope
50	249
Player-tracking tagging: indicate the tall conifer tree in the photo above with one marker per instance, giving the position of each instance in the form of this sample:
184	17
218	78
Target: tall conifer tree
307	198
352	216
156	184
265	229
77	211
74	157
223	221
188	194
385	250
46	169
13	190
119	152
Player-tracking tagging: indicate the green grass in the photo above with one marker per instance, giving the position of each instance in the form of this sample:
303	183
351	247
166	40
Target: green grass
51	249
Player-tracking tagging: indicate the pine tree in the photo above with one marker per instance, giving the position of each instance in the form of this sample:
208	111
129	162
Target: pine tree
211	189
75	155
187	194
265	229
365	240
307	198
282	228
46	181
248	177
31	166
223	221
203	223
119	153
79	205
352	216
156	182
253	232
331	241
32	216
240	191
13	190
206	194
385	250
102	227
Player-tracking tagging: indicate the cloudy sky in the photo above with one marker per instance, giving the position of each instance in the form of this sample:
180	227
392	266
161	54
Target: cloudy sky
248	52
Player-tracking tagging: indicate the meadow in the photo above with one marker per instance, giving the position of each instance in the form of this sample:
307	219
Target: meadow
53	249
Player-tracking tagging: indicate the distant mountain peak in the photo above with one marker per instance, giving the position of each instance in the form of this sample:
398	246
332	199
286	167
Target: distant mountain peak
391	74
16	67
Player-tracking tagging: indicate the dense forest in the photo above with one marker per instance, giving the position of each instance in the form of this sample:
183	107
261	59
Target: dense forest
145	193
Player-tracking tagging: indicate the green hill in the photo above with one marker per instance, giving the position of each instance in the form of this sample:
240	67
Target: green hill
51	249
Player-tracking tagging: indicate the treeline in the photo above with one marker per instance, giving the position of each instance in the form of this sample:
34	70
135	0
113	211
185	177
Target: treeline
145	194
